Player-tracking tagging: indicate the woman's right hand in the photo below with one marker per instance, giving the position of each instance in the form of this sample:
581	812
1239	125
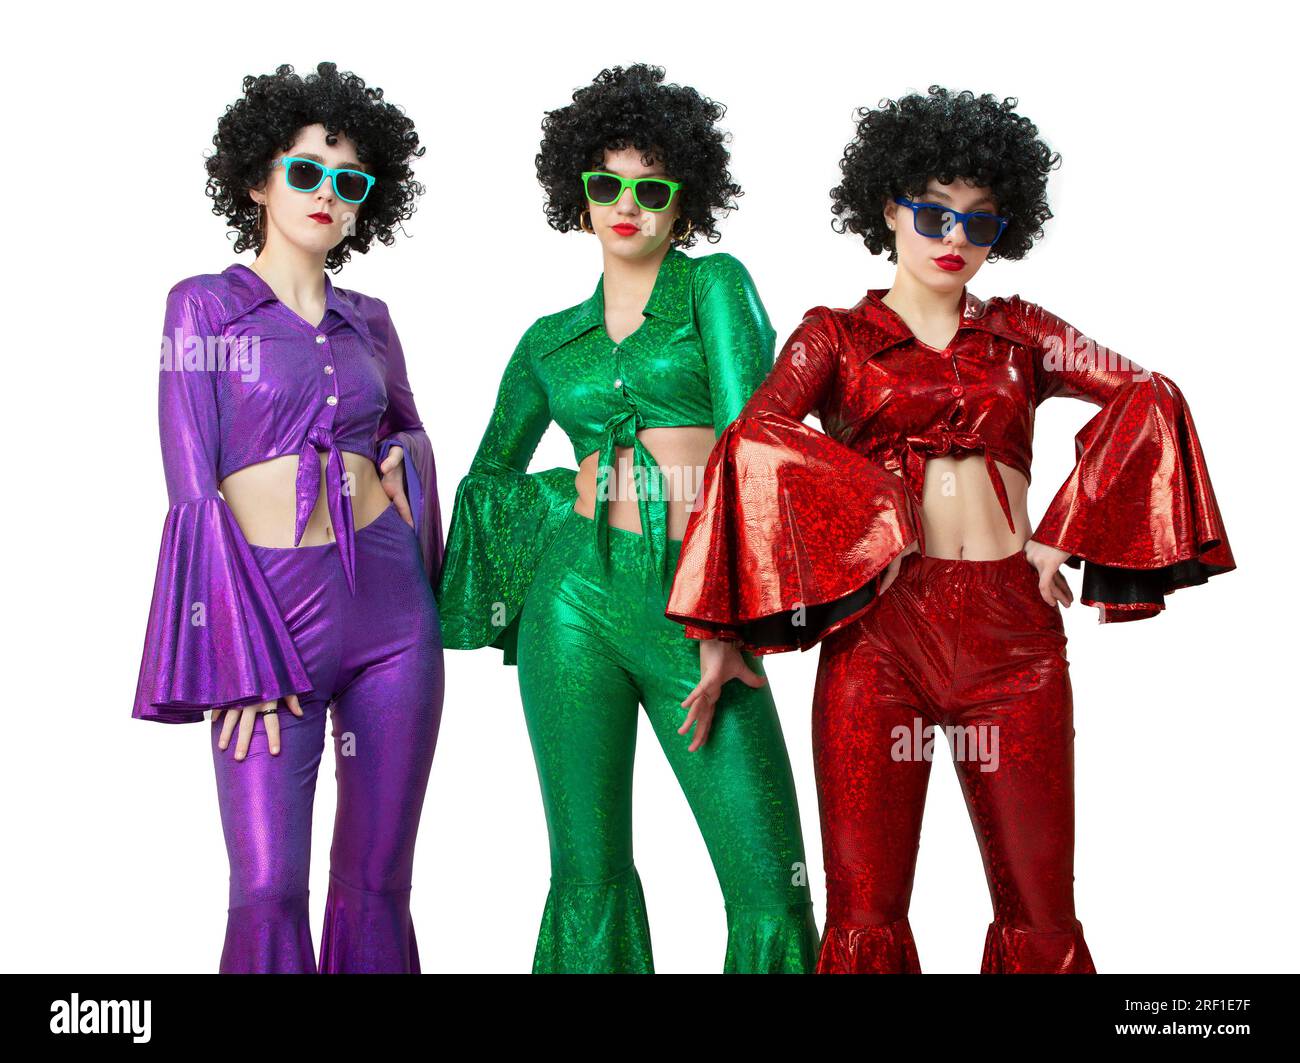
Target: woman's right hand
246	717
891	573
720	661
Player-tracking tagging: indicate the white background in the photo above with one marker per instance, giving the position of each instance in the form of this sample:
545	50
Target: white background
1174	242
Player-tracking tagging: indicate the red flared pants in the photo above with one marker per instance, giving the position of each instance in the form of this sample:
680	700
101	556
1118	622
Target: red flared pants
971	648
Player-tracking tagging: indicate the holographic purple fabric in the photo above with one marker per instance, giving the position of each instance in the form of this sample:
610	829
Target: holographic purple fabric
376	658
244	379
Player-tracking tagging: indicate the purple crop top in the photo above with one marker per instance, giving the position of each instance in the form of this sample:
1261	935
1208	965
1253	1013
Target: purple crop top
243	379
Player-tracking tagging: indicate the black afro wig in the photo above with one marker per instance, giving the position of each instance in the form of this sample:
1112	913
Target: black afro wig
632	108
902	144
265	123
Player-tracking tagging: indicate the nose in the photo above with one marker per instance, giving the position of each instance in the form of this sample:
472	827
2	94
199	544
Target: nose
627	202
956	236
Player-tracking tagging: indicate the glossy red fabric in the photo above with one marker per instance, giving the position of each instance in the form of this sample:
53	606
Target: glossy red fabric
795	581
793	526
971	648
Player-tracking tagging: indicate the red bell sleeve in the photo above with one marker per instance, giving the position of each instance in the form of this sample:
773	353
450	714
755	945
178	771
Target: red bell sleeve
1138	512
791	529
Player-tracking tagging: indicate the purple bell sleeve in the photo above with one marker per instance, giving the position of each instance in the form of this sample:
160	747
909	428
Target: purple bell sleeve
215	637
401	426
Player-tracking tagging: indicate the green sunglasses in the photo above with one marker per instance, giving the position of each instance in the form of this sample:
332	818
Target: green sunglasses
651	193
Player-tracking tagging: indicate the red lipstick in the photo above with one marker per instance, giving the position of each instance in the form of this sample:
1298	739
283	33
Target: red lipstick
321	217
951	263
625	228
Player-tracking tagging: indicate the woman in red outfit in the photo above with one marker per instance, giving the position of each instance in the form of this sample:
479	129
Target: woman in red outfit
900	535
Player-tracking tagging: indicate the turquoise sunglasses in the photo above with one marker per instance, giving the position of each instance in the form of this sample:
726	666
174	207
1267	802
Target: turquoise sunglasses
307	175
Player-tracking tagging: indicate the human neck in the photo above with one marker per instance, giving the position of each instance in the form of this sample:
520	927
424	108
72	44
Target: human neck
631	281
296	276
923	309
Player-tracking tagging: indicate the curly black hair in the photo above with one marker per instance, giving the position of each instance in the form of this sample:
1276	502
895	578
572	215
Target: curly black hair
904	143
266	121
631	108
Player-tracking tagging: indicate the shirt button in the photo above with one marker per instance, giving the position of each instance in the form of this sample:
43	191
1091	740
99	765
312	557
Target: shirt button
958	390
618	383
320	339
329	369
332	400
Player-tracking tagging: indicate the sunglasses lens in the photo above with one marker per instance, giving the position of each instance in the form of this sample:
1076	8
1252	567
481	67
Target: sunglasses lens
931	221
304	175
602	188
982	229
654	195
351	185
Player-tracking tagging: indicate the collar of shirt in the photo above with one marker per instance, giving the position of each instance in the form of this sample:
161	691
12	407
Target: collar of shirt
668	301
247	291
878	327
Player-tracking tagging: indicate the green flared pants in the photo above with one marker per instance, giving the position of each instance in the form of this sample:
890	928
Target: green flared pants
594	644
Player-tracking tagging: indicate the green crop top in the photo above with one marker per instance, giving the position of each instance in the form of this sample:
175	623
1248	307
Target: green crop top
706	343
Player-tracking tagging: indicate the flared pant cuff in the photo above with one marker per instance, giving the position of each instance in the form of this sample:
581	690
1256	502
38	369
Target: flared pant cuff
775	939
269	937
595	927
367	932
853	949
1014	950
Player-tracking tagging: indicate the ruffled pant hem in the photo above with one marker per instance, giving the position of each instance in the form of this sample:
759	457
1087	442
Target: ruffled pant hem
367	932
269	937
595	927
1014	950
884	949
776	939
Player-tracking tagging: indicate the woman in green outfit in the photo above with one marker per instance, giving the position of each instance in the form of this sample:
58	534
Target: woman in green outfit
569	573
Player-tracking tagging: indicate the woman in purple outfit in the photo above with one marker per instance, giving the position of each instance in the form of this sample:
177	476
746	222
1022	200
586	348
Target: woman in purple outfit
298	553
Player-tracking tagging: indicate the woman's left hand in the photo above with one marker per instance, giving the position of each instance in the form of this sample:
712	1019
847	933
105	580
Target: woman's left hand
720	661
393	477
1048	561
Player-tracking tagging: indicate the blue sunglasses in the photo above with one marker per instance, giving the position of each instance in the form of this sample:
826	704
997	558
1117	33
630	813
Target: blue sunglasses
307	175
935	220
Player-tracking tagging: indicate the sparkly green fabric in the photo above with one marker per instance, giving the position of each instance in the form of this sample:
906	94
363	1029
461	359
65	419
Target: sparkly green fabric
704	346
580	606
593	645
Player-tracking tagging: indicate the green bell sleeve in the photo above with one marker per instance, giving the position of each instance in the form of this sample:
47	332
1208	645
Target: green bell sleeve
503	519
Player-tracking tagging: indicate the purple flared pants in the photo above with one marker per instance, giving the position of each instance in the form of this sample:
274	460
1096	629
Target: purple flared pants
375	661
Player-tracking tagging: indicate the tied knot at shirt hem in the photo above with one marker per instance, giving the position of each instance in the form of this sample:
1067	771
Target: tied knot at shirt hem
337	499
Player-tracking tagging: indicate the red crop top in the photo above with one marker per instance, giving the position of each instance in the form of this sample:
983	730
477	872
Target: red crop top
793	526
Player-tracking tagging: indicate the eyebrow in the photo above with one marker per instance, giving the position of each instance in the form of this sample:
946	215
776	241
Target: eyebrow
982	200
621	174
317	158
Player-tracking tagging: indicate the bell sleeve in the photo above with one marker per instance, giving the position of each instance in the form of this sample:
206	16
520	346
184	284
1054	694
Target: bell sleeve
503	518
791	529
215	637
401	426
1138	511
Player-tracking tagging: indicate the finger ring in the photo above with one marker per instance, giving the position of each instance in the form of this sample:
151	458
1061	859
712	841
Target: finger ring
271	711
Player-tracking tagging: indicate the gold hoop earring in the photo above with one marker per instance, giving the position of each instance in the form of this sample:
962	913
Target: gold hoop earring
684	235
584	222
